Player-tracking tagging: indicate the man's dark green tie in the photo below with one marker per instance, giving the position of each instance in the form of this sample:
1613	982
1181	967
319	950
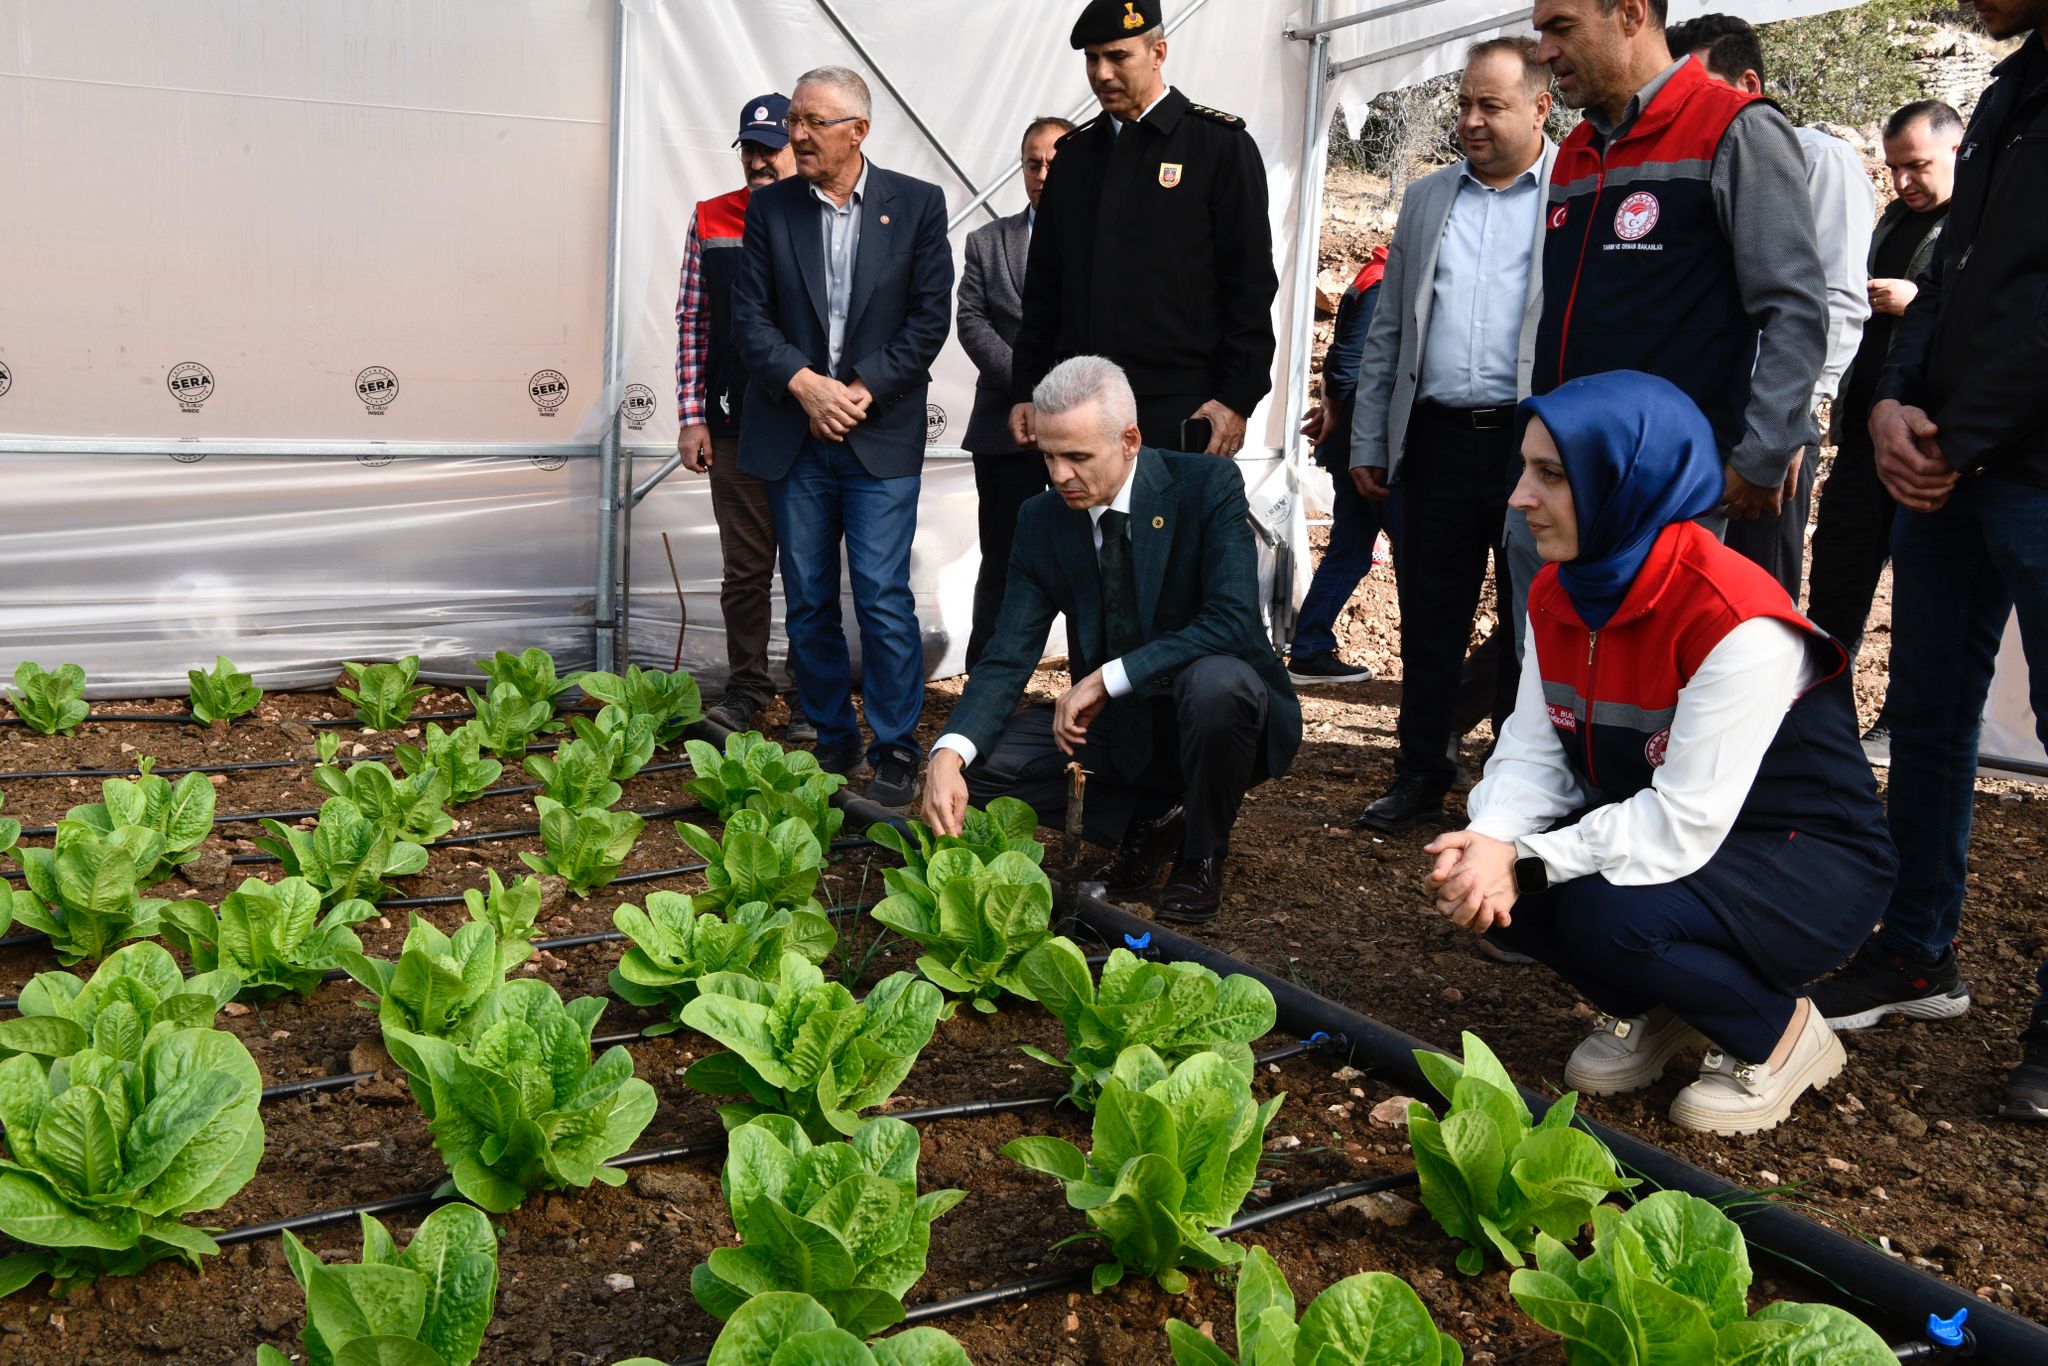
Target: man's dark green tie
1120	631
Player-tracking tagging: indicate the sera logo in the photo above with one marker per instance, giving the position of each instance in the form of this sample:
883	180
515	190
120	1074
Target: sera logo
191	384
549	390
934	423
376	387
637	406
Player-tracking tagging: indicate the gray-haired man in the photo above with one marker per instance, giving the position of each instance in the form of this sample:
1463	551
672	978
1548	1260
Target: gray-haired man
1179	705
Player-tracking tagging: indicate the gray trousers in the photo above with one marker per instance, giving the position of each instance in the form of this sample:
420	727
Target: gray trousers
746	544
1208	750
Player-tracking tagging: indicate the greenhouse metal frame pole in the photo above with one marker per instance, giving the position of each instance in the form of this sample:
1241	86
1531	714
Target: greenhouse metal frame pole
1308	233
613	469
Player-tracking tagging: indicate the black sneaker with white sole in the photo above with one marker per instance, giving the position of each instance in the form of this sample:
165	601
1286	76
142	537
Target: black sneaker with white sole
1877	745
895	780
1308	670
2026	1087
1881	981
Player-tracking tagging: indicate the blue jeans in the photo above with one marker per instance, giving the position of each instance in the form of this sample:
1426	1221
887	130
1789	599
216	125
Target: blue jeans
1355	523
1958	573
827	497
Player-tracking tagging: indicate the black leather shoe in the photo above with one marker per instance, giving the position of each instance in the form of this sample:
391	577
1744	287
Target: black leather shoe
1409	802
1194	894
895	780
1146	847
848	763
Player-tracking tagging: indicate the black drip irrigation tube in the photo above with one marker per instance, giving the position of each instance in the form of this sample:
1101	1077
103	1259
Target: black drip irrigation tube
1904	1296
1060	1280
255	765
186	718
702	1147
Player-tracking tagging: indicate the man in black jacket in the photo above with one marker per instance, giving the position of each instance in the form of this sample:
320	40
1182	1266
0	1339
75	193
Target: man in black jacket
1180	188
1961	433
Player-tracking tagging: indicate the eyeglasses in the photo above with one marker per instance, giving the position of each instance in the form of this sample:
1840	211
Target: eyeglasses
812	123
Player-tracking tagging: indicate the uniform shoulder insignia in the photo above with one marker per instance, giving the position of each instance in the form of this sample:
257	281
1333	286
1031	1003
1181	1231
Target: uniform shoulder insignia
1216	115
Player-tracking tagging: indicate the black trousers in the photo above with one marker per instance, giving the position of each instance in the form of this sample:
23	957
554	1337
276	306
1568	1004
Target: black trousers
1002	483
1208	750
1851	542
1451	504
1161	419
1779	543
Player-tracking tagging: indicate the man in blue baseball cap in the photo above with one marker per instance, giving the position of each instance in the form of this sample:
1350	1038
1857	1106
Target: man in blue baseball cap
710	383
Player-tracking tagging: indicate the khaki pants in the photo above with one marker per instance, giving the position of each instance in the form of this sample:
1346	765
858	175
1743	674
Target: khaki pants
746	544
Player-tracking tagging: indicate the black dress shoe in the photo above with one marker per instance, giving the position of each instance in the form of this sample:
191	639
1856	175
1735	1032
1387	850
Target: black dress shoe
1194	894
1146	847
848	763
1409	802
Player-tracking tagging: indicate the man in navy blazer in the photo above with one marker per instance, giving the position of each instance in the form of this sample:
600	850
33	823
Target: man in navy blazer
843	303
1178	703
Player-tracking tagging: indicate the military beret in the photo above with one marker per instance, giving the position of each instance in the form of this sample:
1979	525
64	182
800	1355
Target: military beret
1106	21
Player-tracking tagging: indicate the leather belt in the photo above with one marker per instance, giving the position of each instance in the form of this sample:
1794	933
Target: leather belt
1478	419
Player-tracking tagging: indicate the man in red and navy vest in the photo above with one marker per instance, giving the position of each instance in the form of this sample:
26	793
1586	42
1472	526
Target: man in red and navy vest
1681	243
710	383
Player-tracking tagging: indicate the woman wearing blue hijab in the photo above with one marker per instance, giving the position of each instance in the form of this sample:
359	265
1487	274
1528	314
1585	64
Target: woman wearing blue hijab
1677	819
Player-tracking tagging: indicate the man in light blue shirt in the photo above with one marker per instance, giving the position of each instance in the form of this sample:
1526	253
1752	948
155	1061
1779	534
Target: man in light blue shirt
1448	356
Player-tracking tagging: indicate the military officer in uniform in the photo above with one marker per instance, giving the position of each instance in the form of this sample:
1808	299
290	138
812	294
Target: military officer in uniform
1160	179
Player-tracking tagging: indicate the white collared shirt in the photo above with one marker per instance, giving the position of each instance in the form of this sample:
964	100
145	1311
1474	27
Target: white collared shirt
1115	681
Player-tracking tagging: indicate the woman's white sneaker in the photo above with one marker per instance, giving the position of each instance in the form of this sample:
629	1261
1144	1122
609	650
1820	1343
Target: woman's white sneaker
1627	1055
1734	1097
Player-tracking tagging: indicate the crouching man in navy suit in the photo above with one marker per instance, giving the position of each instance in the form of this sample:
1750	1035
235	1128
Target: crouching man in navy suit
1179	704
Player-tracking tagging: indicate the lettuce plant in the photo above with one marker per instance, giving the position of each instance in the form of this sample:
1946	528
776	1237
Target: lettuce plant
507	719
531	671
426	1306
587	847
408	808
438	984
578	776
1668	1281
673	946
671	699
1008	826
384	694
347	855
270	935
519	1105
137	994
753	774
511	912
1174	1155
1491	1176
108	1150
10	834
1372	1319
975	922
783	1328
841	1222
223	694
50	703
755	861
457	755
1175	1009
181	812
629	740
803	1047
84	891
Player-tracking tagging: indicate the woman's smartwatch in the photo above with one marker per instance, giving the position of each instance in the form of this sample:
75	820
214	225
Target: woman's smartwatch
1531	876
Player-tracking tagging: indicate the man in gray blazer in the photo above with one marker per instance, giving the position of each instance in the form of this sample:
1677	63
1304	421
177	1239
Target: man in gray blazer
1450	352
991	310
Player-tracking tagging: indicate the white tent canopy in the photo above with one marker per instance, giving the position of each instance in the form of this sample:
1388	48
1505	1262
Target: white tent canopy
325	329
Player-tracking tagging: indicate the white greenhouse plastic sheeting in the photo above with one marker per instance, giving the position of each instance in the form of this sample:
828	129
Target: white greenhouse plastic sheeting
303	317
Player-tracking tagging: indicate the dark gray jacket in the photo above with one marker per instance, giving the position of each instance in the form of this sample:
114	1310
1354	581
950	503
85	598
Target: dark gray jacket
1894	213
991	309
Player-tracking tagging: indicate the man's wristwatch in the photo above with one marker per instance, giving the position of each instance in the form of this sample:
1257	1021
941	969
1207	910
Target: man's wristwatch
1531	876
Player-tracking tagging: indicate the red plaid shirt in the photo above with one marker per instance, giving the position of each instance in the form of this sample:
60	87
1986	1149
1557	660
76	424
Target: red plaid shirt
693	332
